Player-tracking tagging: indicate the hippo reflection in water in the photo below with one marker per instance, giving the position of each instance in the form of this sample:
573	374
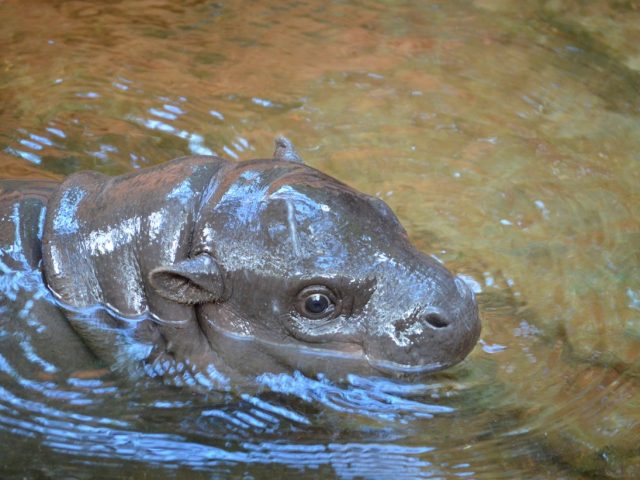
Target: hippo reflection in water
202	271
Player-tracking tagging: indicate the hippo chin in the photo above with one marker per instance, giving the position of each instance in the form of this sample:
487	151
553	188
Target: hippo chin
201	271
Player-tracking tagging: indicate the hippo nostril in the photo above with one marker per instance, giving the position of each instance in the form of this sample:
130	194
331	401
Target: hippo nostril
436	320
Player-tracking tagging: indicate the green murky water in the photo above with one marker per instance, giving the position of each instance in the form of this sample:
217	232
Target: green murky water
505	134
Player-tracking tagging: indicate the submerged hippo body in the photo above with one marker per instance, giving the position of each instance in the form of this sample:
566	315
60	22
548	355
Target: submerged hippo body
202	271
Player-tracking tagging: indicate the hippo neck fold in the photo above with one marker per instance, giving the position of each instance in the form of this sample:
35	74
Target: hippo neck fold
102	237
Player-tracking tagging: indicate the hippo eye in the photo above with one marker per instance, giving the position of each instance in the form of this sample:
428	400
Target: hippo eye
316	302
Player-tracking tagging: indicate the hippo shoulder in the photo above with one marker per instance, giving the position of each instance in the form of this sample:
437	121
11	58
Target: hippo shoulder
97	222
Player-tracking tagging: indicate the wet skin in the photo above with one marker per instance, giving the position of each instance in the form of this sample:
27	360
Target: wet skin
202	271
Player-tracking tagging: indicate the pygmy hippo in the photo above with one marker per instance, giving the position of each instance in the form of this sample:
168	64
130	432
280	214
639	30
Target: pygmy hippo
201	271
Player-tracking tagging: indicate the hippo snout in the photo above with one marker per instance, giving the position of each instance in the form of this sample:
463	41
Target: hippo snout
429	337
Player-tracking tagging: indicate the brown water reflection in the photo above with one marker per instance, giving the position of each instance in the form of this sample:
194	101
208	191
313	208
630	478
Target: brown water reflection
505	134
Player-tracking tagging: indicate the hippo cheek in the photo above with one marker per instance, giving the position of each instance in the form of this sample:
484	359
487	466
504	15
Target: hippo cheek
239	346
249	351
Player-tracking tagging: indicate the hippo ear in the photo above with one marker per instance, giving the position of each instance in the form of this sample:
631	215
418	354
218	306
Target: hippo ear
384	210
194	280
285	151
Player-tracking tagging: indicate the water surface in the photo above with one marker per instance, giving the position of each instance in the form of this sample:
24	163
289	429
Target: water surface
506	136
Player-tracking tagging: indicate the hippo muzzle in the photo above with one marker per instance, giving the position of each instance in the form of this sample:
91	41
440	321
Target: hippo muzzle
434	330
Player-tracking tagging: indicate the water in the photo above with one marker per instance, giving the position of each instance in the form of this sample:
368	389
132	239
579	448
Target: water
506	138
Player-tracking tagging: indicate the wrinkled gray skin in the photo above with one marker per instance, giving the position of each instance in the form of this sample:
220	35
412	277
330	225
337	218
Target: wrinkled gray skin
202	271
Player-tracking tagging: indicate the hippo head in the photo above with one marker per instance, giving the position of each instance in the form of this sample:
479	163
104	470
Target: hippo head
290	269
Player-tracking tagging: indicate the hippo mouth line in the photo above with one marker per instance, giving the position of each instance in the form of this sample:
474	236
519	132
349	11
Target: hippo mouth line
390	367
345	351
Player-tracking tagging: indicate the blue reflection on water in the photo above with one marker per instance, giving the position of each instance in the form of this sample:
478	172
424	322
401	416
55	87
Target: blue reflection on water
94	437
103	151
374	398
169	116
56	131
88	95
216	114
162	114
249	432
30	144
263	102
196	141
31	157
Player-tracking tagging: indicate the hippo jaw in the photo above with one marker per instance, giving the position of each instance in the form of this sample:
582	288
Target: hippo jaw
334	359
338	358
